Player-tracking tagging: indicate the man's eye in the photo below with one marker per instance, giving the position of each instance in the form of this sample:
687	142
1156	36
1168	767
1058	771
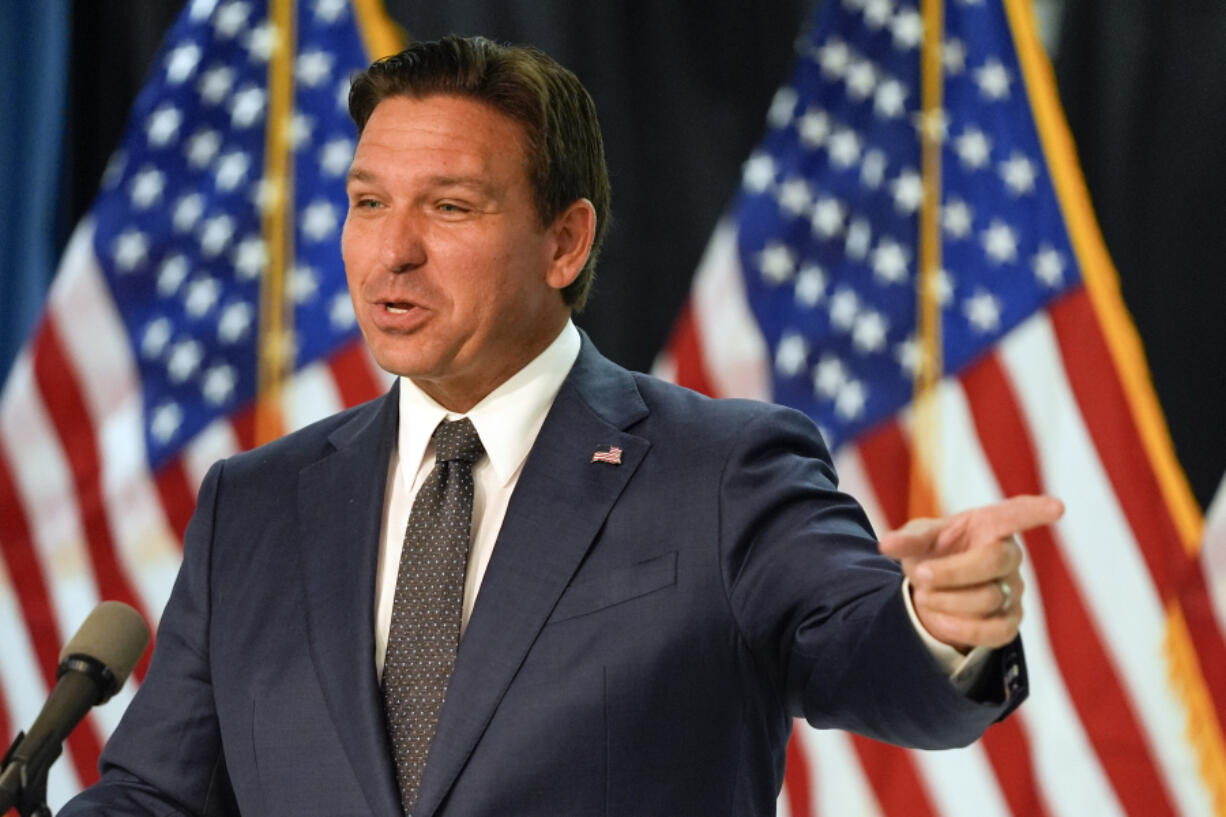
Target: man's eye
366	204
451	207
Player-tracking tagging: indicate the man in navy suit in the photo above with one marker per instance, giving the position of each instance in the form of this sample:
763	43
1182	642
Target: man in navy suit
657	583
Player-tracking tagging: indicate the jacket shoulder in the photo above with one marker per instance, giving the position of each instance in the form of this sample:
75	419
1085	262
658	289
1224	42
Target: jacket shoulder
311	442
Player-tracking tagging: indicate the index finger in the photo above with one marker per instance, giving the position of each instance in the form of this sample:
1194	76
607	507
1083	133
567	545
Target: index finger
992	522
916	538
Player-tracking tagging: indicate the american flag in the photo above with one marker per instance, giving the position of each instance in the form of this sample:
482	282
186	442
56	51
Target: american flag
210	255
809	295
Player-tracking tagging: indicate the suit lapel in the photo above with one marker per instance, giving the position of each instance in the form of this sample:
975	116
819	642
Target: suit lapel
340	507
559	504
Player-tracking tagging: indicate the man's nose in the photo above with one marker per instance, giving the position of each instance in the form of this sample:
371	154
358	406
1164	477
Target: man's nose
402	245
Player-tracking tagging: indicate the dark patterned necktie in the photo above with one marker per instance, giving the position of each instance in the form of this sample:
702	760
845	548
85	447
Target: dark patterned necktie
425	627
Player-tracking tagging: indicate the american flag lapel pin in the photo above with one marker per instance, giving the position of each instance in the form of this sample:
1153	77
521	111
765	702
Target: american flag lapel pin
613	456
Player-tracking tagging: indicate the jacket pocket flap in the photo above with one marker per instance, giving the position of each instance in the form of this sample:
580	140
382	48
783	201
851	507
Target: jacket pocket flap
623	584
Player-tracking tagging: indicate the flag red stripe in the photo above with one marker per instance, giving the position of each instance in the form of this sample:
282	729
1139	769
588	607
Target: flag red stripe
243	423
67	409
797	779
30	585
354	380
1102	401
1088	672
177	497
1008	748
686	347
896	782
887	463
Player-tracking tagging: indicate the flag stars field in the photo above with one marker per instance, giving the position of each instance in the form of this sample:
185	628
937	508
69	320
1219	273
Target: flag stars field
313	68
156	337
171	274
181	63
231	170
1000	242
956	218
231	18
1018	174
147	187
890	261
187	212
163	126
319	220
872	168
791	355
131	250
814	127
215	84
201	296
828	217
811	285
335	156
235	322
973	147
982	310
250	258
303	284
247	106
262	41
1048	265
993	80
202	147
890	99
329	12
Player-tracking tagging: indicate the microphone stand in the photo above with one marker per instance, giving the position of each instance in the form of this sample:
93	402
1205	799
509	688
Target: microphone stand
27	795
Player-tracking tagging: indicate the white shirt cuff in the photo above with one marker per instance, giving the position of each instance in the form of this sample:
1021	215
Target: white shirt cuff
963	670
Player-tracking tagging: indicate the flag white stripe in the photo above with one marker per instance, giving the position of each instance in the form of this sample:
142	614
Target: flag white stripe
309	396
216	442
1101	551
732	344
842	789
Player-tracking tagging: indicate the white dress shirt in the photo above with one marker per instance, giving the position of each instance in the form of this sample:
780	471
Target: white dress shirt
508	420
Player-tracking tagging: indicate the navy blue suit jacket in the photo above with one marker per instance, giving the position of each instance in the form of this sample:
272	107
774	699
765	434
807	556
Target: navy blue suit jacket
644	635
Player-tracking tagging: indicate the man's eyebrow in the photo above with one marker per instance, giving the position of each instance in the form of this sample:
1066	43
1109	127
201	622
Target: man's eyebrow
471	182
476	183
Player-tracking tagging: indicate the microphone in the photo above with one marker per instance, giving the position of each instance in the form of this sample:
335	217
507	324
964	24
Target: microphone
94	665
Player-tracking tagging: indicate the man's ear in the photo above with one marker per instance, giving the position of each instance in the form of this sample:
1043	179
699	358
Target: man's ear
573	232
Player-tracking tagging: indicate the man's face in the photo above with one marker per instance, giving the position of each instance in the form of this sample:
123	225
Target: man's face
452	276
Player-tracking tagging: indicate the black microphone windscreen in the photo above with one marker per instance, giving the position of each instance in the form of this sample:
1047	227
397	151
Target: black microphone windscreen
113	634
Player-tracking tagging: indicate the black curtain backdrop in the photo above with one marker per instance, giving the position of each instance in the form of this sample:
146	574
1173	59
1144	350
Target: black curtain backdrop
682	89
1144	86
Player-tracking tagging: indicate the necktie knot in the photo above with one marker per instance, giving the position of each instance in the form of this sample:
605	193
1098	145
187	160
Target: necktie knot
457	440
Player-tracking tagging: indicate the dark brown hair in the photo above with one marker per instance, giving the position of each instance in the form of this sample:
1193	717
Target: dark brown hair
565	151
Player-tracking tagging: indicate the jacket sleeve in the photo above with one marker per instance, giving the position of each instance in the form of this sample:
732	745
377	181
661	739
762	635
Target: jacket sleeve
822	610
166	756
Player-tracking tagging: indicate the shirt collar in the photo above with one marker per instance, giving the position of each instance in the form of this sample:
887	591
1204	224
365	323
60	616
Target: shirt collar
507	419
